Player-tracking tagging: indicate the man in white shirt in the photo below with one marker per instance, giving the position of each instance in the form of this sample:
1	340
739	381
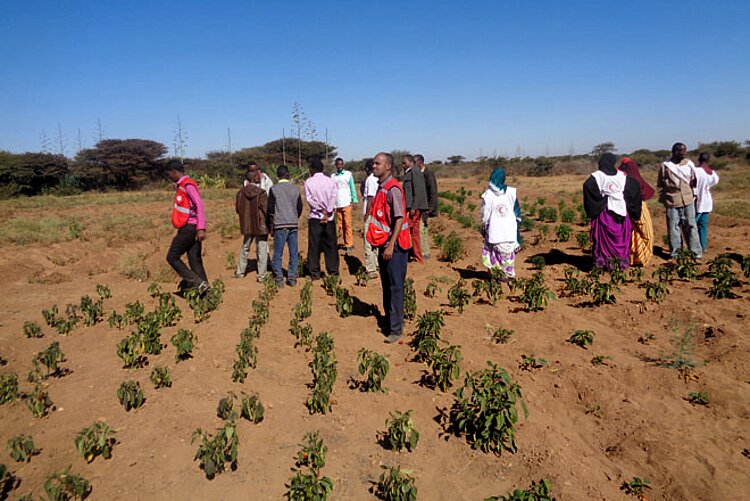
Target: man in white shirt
346	196
705	179
265	181
368	195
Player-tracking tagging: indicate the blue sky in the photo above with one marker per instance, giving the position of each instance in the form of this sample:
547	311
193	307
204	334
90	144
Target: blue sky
437	77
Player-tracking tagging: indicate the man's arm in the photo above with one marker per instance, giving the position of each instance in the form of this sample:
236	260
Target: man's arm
395	230
353	189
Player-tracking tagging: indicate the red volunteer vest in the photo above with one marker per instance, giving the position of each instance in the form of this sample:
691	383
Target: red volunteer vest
181	209
379	229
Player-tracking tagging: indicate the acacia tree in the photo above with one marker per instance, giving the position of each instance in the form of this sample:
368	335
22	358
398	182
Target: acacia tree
30	173
119	163
602	148
455	159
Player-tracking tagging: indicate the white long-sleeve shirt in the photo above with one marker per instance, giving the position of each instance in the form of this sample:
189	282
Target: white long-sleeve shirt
704	181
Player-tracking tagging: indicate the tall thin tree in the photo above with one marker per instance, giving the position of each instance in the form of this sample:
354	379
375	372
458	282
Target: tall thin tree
61	143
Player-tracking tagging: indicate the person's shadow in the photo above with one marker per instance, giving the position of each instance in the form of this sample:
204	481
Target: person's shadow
353	264
556	256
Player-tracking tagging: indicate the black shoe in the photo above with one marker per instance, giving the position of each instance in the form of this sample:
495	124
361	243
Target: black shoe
292	282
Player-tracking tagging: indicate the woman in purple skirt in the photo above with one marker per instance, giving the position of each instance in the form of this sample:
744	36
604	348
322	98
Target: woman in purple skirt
611	200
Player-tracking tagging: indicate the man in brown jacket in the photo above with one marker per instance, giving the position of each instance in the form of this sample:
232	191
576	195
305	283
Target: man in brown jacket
251	205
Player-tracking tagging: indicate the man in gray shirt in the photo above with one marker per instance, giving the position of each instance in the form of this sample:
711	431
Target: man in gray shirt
284	210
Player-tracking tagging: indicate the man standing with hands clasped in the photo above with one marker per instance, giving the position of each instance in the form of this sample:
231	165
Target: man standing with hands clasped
415	195
389	233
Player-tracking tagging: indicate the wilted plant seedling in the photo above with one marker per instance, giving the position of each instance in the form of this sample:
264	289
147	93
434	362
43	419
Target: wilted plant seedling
251	408
600	359
96	440
64	486
432	289
32	330
376	366
637	486
130	395
396	484
21	448
161	378
400	432
531	362
698	397
582	338
216	450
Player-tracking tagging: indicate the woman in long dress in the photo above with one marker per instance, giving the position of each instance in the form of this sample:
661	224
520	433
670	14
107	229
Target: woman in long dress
500	216
642	238
611	200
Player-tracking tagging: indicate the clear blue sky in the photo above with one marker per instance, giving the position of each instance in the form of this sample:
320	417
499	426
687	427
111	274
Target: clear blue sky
437	77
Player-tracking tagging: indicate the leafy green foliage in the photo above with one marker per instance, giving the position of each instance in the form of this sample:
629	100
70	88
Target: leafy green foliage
698	397
216	450
313	452
536	295
331	284
400	432
453	248
637	486
685	264
344	302
203	304
445	364
636	273
432	289
21	448
548	214
663	273
604	292
501	335
96	440
309	485
582	338
563	232
458	297
130	395
116	321
427	335
485	410
161	378
362	277
130	350
93	311
7	481
537	262
531	362
583	240
568	215
396	484
410	300
32	330
184	342
323	367
575	284
134	312
541	491
656	292
251	408
724	279
680	358
38	402
49	359
376	366
65	486
600	360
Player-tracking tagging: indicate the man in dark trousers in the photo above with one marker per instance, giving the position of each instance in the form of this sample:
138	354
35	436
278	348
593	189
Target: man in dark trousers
284	210
430	184
416	202
391	237
320	192
189	217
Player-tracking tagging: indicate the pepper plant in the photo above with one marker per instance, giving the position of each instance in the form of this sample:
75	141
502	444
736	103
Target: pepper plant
458	297
161	378
32	330
218	449
38	402
401	433
64	486
445	365
8	388
96	440
410	300
21	448
396	484
376	366
184	341
582	338
130	395
541	491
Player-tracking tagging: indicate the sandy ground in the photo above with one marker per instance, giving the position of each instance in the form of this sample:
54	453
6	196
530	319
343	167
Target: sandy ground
589	429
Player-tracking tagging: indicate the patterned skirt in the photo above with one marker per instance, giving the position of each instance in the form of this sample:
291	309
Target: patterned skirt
500	256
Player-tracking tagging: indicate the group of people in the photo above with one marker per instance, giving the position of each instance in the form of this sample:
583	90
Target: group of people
615	202
396	215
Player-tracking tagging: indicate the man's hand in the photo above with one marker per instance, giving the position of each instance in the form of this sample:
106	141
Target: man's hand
200	235
388	252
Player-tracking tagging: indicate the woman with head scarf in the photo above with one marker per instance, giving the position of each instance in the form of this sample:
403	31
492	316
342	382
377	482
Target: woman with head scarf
501	214
611	200
642	238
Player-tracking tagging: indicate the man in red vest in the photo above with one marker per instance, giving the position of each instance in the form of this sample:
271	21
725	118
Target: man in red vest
189	217
389	234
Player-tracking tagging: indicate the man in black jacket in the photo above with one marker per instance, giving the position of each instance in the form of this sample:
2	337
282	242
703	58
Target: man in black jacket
416	203
430	184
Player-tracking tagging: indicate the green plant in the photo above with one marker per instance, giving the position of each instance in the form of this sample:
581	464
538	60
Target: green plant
225	409
66	326
21	448
646	338
485	410
51	318
230	263
410	300
154	290
130	351
656	291
724	279
251	408
537	262
530	362
38	402
331	284
583	240
663	273
680	358
96	440
309	487
604	292
694	397
444	363
344	302
130	395
376	366
563	232
400	432
313	452
537	492
582	338
203	304
184	341
149	334
216	450
65	486
493	285
116	321
167	313
362	277
600	359
453	248
501	335
458	297
7	481
636	273
548	214
685	264
8	388
432	289
32	330
745	265
428	333
575	285
567	215
93	311
616	271
396	484
50	358
637	486
161	378
323	366
536	295
134	312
